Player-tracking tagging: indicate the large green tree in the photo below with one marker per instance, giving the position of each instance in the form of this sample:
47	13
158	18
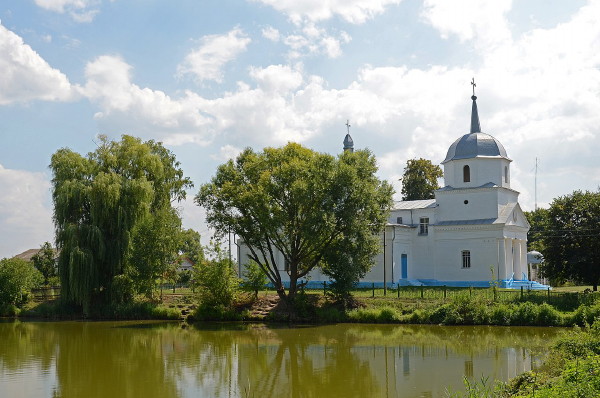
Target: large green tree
190	246
104	202
45	262
299	202
571	249
420	179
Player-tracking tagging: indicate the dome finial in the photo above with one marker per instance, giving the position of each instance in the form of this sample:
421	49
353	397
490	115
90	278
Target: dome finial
348	142
475	127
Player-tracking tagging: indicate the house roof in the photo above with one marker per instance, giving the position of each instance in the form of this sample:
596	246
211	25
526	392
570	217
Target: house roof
27	254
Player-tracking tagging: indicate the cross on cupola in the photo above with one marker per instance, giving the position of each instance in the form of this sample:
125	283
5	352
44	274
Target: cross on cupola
475	127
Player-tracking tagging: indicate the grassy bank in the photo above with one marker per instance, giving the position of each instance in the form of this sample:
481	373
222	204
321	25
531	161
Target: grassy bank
422	306
54	309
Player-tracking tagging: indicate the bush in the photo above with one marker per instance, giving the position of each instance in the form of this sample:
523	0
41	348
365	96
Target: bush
383	315
216	282
17	278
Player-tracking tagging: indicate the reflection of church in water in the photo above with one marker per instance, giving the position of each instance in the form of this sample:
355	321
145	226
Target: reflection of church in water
473	232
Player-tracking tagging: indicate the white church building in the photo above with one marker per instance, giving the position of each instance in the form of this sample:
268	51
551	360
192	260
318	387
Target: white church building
473	233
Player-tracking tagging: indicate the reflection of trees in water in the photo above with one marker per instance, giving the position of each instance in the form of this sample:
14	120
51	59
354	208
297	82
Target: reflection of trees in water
107	359
97	361
467	340
23	344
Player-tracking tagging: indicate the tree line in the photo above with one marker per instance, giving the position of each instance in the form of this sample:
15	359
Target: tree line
119	233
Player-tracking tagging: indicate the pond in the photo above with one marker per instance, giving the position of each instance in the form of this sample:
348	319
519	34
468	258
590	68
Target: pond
156	359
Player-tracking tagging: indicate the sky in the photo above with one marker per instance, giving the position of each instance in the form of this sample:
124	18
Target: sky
209	78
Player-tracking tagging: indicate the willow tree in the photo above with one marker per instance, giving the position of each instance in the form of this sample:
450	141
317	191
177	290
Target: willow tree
100	203
298	202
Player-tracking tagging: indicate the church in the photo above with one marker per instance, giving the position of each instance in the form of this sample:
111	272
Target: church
473	233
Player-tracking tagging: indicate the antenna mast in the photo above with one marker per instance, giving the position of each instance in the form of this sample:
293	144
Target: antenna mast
535	189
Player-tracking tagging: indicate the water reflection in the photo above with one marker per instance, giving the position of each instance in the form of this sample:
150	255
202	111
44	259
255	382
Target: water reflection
133	359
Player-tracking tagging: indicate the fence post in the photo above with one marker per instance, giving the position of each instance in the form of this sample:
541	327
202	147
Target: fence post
398	290
521	292
548	292
324	287
421	291
444	292
495	294
470	291
373	289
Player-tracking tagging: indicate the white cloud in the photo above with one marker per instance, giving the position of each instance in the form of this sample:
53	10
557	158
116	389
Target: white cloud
25	215
227	152
206	62
313	40
26	76
79	10
271	33
128	107
483	21
353	11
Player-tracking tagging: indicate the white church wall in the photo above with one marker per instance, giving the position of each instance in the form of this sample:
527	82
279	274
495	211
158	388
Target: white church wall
480	204
483	253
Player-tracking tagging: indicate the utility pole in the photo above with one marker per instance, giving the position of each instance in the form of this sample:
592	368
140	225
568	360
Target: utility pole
229	234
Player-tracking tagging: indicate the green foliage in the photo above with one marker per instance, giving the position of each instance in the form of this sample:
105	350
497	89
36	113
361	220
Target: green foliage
45	262
255	278
539	222
420	179
154	250
17	278
569	236
190	246
106	202
298	202
215	281
184	277
374	315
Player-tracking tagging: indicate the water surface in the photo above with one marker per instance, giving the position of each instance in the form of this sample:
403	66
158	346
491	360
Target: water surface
155	359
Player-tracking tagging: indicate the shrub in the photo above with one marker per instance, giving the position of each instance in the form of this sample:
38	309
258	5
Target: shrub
17	278
549	316
215	281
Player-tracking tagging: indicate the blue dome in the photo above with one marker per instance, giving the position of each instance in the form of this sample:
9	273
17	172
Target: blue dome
475	145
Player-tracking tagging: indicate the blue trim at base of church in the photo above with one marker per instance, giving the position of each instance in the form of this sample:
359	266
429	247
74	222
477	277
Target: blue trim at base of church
506	284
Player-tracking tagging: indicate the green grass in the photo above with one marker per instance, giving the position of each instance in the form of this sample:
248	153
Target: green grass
134	310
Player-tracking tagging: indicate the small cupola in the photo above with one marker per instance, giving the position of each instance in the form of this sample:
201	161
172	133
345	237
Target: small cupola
348	142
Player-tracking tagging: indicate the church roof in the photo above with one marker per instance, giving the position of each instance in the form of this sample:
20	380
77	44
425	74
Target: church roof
475	144
414	204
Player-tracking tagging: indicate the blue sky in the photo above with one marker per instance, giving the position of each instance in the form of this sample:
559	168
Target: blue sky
209	78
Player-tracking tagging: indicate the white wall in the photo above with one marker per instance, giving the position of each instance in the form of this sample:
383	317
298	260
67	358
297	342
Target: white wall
483	170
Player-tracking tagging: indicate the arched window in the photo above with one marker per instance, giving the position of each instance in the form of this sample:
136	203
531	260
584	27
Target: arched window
466	174
506	174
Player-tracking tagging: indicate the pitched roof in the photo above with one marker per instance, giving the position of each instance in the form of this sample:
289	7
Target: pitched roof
414	204
27	254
